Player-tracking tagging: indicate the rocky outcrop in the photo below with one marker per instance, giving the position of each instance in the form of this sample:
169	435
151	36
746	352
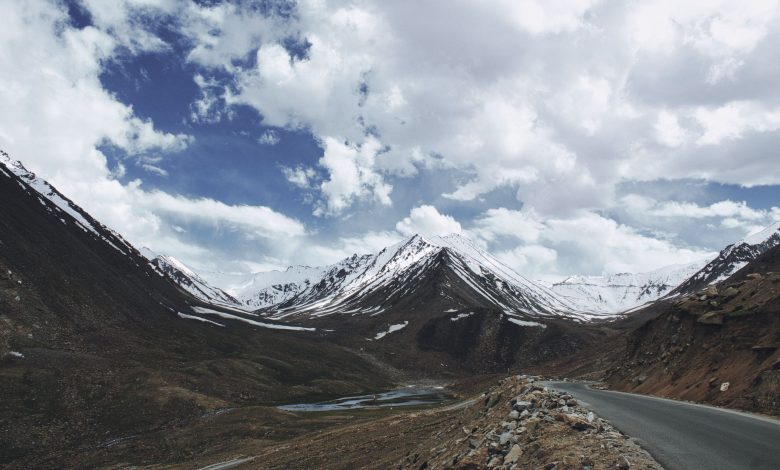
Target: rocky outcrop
523	424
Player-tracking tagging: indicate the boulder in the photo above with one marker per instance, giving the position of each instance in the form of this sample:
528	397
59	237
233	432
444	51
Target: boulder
522	405
730	292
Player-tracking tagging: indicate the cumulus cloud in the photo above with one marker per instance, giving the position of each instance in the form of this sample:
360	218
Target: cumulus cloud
586	243
587	86
300	176
262	221
352	175
427	220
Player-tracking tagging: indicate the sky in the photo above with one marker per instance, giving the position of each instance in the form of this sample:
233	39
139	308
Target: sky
564	136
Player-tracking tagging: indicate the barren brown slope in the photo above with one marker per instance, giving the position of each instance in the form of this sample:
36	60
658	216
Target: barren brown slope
720	345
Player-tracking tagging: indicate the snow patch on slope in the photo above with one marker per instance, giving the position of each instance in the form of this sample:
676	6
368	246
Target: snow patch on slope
272	326
391	329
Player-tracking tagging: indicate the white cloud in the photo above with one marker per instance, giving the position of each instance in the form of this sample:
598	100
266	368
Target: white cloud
352	175
427	220
668	129
300	176
269	137
501	222
259	220
586	243
587	83
732	120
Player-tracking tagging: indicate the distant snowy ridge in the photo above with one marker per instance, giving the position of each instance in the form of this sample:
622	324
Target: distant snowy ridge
624	291
370	284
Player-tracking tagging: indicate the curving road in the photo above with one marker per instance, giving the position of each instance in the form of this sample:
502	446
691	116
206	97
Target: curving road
686	436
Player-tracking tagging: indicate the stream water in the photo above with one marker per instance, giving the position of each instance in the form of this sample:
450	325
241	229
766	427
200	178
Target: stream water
408	396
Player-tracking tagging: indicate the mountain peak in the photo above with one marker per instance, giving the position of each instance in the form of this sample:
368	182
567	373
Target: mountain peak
762	235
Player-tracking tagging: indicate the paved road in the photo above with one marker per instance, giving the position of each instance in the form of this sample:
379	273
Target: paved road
683	436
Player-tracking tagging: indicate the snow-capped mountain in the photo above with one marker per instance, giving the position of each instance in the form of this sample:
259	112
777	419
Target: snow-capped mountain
188	280
731	259
624	291
450	267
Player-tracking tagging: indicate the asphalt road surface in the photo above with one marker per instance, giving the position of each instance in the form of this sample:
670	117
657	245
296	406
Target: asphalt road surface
684	436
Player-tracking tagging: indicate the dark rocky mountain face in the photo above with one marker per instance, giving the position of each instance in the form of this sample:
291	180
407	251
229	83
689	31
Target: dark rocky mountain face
93	352
719	345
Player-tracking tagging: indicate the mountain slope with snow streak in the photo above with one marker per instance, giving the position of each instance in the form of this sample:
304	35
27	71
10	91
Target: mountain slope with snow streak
64	205
189	280
731	259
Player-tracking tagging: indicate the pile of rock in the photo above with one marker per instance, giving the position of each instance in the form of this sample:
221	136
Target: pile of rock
530	426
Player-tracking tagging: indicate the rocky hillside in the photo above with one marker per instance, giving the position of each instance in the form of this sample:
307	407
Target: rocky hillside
719	345
93	349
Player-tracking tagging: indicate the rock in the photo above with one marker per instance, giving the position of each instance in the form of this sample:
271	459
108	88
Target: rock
623	463
551	466
496	461
724	386
514	454
522	405
703	298
524	414
590	416
640	379
492	400
730	292
474	443
754	276
571	402
504	438
514	414
711	291
711	318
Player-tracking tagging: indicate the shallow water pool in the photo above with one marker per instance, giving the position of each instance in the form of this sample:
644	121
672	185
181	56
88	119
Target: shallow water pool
407	396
